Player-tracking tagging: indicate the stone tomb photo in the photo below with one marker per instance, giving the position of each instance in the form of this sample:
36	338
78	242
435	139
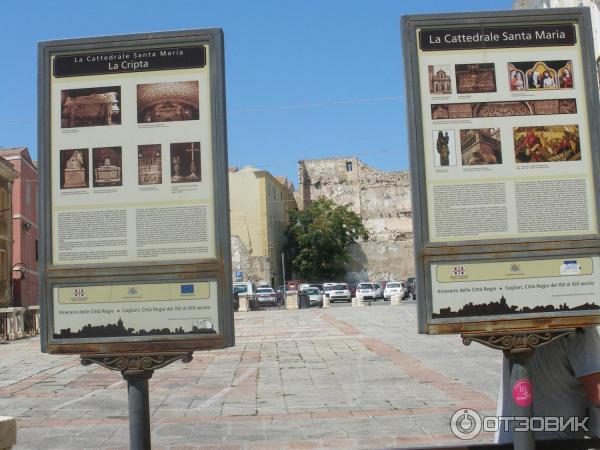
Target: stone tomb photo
90	107
74	166
107	163
185	162
168	102
149	164
480	146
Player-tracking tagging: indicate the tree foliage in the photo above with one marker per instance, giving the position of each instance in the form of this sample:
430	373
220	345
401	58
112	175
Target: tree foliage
318	238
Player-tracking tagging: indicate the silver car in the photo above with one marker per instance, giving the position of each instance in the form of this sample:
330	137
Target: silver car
315	296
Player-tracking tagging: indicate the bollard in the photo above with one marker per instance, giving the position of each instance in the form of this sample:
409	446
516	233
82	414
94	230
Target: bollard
243	303
396	300
326	301
8	432
291	300
360	301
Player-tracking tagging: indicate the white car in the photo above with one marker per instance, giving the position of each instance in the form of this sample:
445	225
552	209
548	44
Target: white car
337	291
394	288
367	291
266	296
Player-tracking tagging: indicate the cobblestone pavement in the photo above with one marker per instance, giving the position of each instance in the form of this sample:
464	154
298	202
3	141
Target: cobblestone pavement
344	377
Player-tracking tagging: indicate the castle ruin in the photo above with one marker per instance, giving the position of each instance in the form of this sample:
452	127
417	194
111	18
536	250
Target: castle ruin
381	199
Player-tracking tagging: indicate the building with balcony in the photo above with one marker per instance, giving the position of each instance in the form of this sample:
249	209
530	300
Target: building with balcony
24	225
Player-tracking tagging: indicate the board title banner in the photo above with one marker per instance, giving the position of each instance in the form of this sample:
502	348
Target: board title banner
124	61
497	37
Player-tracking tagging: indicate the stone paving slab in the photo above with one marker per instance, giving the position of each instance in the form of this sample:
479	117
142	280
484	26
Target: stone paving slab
337	378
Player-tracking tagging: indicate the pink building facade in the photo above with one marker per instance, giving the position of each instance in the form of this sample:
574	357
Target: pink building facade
25	275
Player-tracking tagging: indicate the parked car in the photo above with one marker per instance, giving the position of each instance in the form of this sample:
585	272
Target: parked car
266	296
412	285
337	291
378	291
318	286
394	288
352	288
315	296
367	291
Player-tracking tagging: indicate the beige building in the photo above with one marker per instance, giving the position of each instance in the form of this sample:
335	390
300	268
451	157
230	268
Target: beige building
258	204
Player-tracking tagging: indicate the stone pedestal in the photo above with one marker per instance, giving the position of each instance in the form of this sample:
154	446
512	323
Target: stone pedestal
326	301
396	300
360	301
243	303
8	432
291	300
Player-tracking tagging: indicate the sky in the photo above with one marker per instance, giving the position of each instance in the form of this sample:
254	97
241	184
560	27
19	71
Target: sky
307	79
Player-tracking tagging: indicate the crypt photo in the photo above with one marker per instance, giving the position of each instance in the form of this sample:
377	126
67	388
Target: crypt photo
149	164
548	143
480	146
107	163
74	164
168	102
185	162
90	107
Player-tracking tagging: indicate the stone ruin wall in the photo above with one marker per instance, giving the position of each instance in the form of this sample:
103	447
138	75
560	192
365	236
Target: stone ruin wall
383	201
254	268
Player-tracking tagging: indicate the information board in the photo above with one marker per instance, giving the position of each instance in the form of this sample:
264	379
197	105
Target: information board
133	162
503	110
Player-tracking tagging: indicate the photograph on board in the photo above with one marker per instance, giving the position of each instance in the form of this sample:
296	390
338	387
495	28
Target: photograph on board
168	102
480	146
149	164
90	107
185	162
74	164
540	75
440	81
444	145
107	163
475	78
547	143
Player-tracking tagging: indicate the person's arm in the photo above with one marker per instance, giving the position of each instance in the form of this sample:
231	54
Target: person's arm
591	385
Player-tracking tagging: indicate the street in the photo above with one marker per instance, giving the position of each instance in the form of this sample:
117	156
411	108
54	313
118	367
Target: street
343	377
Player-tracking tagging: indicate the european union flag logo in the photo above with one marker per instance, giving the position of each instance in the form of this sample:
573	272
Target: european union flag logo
187	288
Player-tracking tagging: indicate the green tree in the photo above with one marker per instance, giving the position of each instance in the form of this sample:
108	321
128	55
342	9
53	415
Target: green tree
318	238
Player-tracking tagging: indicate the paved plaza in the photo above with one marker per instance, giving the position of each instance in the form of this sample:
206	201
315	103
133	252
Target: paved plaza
338	378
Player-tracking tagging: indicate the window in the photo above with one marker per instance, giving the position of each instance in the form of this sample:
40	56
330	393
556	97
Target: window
348	166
